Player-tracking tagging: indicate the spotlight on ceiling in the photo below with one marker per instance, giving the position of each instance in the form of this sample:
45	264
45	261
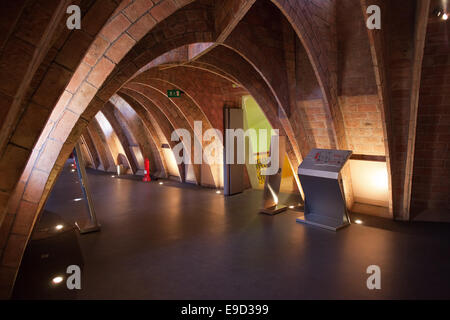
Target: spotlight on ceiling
59	227
357	221
291	207
160	183
77	199
440	13
57	280
218	191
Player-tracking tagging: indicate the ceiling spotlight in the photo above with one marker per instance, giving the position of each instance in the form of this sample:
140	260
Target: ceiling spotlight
57	280
445	16
438	12
160	183
113	176
218	191
59	227
77	199
73	170
357	221
291	207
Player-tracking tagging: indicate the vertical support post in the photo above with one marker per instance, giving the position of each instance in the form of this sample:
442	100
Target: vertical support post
92	225
272	182
233	172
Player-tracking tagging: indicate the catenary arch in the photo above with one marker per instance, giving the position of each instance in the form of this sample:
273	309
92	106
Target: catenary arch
74	110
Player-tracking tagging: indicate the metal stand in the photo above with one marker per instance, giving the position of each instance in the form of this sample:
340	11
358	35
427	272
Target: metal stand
92	225
320	175
272	182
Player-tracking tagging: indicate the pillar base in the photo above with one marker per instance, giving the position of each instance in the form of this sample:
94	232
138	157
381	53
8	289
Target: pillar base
273	210
88	228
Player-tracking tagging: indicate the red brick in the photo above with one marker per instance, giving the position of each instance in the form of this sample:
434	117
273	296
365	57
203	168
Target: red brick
116	27
24	218
120	48
101	72
163	10
137	9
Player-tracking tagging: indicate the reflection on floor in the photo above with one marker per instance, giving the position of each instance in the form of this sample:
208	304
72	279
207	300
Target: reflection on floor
183	242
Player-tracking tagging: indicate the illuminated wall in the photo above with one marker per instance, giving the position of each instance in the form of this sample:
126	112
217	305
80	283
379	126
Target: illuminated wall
254	118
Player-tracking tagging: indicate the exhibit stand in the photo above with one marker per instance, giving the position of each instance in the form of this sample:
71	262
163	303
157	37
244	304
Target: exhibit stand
320	176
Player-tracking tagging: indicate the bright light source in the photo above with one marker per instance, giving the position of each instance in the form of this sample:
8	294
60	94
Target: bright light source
113	176
73	170
59	227
78	199
444	16
160	183
218	191
57	280
380	179
274	195
357	221
291	207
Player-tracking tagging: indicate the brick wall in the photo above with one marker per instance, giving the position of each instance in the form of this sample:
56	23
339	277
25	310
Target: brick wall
362	119
431	173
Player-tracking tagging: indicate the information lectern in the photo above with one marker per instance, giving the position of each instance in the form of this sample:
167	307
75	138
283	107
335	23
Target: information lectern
320	176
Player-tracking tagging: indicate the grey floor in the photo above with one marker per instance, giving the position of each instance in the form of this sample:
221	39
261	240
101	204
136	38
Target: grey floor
183	242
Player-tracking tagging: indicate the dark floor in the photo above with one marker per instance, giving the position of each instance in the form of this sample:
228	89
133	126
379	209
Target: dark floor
183	242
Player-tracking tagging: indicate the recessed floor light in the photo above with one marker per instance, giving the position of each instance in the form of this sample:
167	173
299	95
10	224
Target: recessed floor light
218	191
160	183
57	280
357	221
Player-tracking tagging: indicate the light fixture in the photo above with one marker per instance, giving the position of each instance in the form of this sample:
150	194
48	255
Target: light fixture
113	176
78	199
291	207
218	191
439	12
357	221
57	280
59	227
161	182
73	170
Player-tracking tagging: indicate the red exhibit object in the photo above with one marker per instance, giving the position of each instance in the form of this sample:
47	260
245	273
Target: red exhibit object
147	171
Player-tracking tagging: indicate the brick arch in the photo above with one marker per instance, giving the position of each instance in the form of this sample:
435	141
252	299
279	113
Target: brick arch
124	47
192	111
134	137
154	118
72	114
108	112
87	139
233	64
169	112
151	127
101	143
